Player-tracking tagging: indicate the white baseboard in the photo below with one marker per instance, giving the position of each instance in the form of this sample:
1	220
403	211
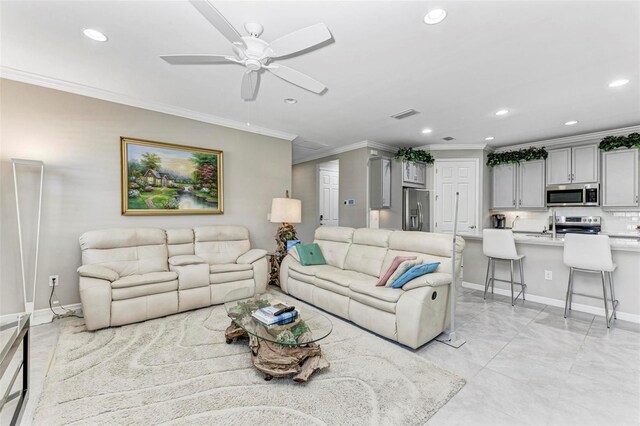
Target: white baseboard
559	303
40	316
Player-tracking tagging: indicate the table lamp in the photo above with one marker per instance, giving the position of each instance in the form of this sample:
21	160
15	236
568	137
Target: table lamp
284	211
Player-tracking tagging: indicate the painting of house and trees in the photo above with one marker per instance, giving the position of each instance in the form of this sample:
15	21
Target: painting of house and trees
162	178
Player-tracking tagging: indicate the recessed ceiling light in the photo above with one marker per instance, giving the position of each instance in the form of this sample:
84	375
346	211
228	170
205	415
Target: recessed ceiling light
618	83
290	101
502	112
571	123
489	138
94	34
435	16
426	131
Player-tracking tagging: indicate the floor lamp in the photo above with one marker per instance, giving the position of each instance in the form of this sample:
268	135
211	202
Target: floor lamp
449	337
28	306
284	211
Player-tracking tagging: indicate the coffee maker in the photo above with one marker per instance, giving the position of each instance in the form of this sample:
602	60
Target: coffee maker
498	221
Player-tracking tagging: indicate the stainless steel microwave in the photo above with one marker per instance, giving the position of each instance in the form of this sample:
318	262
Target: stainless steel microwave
573	195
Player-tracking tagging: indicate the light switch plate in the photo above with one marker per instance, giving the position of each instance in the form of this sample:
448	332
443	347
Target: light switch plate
548	275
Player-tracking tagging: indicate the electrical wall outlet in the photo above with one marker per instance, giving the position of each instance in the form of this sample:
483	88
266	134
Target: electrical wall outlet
54	280
548	275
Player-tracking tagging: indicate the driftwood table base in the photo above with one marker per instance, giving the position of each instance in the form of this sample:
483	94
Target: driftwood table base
276	360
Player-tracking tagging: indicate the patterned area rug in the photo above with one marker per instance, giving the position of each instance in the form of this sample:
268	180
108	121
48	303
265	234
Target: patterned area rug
179	370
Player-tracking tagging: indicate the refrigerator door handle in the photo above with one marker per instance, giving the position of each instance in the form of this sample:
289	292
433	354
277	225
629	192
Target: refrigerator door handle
420	216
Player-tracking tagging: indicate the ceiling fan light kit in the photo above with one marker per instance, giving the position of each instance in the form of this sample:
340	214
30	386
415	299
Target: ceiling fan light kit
256	54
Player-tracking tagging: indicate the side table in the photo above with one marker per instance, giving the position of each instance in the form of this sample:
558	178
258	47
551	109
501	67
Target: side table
12	334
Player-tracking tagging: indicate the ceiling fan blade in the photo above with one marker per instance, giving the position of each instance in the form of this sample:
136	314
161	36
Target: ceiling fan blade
297	78
249	85
218	20
299	40
196	59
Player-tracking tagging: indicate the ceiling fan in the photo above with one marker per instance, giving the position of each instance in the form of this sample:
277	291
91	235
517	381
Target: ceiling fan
256	54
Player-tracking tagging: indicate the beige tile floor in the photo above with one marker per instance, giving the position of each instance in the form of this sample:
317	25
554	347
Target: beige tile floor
524	365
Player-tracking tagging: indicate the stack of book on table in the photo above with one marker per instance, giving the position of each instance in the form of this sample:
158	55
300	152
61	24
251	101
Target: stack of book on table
267	315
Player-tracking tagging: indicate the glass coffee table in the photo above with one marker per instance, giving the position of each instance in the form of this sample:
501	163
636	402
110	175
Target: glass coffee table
278	350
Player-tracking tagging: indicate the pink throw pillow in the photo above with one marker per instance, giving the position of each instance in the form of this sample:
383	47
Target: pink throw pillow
392	268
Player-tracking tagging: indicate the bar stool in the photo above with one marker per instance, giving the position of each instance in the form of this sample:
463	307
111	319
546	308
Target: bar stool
498	244
591	254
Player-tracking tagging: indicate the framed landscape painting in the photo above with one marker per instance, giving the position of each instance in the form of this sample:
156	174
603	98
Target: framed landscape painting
162	179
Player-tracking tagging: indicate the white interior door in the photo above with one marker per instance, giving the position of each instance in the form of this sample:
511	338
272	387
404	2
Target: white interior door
456	176
329	197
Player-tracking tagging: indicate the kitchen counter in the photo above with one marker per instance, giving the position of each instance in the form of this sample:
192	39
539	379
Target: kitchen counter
544	256
618	242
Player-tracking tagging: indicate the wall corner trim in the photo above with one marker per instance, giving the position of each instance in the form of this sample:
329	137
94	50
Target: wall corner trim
341	149
457	147
119	98
573	140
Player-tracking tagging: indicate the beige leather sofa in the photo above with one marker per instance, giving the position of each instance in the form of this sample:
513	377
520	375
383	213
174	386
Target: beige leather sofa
131	275
346	285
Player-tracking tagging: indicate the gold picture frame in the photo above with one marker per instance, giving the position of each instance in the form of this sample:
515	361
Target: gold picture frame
161	178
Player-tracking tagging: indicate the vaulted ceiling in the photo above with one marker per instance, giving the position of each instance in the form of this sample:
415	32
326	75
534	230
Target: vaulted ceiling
546	62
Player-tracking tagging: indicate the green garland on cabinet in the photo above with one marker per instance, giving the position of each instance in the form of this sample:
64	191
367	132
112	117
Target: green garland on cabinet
414	155
529	154
610	143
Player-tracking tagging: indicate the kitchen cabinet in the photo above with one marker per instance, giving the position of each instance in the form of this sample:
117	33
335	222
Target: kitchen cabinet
504	186
620	178
573	165
519	186
414	174
379	183
531	185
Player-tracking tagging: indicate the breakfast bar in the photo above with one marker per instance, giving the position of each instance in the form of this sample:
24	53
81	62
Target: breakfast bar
546	275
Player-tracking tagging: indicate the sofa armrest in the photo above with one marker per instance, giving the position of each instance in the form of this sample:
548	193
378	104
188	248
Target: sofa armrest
95	295
185	259
435	279
421	314
251	256
98	271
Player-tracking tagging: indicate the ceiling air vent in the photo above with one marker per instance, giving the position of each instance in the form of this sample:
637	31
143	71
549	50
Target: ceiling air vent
448	138
405	114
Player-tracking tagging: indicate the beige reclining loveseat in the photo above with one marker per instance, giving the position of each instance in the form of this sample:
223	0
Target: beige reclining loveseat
346	285
131	275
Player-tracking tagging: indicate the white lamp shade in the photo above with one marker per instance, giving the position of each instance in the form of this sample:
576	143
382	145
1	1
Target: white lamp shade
286	210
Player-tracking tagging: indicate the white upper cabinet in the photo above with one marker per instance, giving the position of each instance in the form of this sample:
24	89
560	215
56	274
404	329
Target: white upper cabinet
573	165
620	178
379	183
504	186
559	166
414	174
531	185
519	186
584	160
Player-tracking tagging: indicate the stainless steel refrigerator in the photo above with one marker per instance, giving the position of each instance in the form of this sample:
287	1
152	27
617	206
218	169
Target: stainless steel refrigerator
415	209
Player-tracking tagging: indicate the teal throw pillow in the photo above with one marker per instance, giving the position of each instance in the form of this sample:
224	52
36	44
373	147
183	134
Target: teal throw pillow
415	272
310	254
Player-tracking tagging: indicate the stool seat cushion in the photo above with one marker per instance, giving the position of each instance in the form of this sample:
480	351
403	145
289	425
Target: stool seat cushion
591	252
518	257
499	244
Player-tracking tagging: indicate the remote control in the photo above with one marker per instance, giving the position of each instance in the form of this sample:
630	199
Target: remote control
283	310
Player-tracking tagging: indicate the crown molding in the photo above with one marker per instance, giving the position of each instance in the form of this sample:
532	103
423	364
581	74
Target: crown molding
346	148
572	140
119	98
457	147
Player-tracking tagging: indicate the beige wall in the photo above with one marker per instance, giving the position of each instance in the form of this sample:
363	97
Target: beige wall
353	184
79	140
